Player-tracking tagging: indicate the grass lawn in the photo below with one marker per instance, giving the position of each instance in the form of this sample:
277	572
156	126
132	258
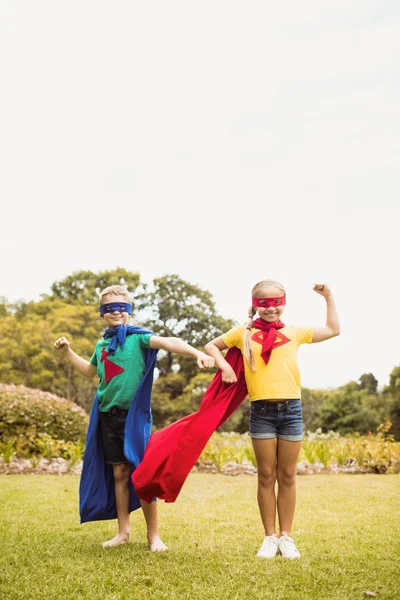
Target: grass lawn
347	528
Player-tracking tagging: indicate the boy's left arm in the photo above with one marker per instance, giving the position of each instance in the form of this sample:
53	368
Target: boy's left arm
180	347
332	327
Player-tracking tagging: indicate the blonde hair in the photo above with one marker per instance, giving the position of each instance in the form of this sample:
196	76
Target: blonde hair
114	290
256	292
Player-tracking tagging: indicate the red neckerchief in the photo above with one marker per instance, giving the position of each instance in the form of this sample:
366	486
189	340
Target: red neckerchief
270	337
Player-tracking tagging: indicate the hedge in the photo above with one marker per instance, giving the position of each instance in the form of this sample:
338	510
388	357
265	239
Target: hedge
28	414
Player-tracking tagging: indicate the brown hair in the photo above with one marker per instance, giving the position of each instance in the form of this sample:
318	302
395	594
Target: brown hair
114	290
256	292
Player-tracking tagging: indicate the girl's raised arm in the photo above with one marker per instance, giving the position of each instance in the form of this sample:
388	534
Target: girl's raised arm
332	327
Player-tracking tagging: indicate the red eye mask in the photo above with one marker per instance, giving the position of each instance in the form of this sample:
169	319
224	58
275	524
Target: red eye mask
269	302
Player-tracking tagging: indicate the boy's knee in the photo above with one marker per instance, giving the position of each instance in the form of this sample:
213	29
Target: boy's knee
121	472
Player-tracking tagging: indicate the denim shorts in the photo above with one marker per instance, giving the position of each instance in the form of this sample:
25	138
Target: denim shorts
282	420
112	425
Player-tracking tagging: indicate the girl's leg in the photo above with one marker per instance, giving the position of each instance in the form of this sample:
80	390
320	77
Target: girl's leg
151	515
265	451
121	478
288	453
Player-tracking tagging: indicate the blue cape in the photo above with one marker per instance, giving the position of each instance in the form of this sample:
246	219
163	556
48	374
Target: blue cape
96	490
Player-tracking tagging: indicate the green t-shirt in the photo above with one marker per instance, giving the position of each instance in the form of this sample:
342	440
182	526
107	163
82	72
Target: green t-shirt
120	373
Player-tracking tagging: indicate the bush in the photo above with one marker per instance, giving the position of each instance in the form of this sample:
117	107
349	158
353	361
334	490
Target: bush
374	453
27	415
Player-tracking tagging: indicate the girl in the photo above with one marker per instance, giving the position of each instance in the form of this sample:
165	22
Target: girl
272	377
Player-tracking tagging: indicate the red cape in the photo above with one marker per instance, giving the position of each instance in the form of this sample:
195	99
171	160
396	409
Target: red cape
172	451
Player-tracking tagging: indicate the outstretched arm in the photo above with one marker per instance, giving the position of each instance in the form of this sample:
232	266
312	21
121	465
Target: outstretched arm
178	346
332	327
83	366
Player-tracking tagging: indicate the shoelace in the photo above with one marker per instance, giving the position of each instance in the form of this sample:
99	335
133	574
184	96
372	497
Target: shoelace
289	543
269	541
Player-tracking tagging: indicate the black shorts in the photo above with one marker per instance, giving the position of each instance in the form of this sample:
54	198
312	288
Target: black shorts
112	426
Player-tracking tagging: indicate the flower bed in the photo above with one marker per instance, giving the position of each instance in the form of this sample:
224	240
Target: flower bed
320	452
232	454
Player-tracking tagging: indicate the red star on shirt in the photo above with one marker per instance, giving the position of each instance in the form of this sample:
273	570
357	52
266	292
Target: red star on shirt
110	368
280	338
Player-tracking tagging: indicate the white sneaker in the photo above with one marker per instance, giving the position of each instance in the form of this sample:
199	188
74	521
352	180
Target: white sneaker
287	547
269	547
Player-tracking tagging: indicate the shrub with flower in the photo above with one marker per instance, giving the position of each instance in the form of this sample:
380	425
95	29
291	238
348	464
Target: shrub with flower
374	453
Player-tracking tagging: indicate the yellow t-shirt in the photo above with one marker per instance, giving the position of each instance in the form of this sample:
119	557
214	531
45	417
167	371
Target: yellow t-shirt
280	378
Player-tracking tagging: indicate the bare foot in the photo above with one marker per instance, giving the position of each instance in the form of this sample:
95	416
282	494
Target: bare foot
116	541
157	545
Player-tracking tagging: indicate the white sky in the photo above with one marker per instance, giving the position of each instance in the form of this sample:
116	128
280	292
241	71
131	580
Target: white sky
224	141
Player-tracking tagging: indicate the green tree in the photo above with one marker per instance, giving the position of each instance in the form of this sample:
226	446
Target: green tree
174	398
312	400
394	382
193	394
173	307
391	393
27	355
177	308
4	307
84	287
167	402
28	331
350	409
239	420
369	383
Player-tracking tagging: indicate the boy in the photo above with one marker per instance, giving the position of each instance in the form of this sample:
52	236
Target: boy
120	420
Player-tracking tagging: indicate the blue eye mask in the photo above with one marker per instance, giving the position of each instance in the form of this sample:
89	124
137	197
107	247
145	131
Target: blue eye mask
111	307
